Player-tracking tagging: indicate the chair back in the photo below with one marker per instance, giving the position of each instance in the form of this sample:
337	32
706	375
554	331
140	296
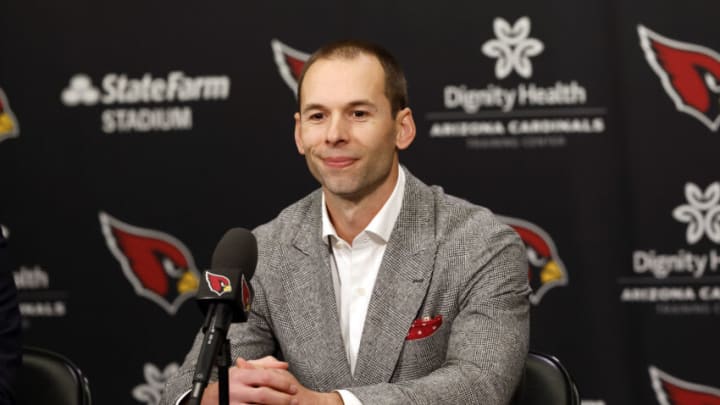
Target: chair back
46	377
545	381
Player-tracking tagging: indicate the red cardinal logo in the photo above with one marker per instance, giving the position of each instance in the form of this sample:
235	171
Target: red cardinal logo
545	269
158	266
674	391
689	73
290	63
246	295
8	124
218	283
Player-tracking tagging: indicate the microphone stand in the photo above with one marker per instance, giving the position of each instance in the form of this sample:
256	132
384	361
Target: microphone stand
233	261
215	350
223	362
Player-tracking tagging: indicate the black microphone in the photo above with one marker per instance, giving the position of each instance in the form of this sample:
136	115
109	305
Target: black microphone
224	296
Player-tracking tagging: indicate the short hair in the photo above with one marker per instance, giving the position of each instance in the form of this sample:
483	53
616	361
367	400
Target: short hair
395	83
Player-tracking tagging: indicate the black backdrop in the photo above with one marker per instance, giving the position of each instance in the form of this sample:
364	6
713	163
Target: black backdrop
604	161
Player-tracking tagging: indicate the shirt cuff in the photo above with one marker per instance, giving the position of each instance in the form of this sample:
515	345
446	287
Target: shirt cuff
349	398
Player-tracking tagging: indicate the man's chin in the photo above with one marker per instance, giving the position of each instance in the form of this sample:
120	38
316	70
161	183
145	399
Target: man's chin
343	189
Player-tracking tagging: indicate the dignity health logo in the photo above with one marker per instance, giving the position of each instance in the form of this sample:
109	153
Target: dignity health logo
512	48
685	287
121	89
701	213
514	112
150	392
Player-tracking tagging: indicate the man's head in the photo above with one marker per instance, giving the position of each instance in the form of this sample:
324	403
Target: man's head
395	83
348	128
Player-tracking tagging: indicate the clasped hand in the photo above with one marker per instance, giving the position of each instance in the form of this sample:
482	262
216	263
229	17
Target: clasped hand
267	381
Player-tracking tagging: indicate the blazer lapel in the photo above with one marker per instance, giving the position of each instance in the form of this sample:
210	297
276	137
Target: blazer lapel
400	287
311	301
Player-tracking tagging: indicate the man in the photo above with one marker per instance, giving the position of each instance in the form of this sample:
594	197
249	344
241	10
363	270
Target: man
376	289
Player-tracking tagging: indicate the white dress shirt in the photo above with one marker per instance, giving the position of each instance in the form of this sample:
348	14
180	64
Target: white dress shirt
356	266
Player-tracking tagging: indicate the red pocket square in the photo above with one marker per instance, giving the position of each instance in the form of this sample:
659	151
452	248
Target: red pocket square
424	327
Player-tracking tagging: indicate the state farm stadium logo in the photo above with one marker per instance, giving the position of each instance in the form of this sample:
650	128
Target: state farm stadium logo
689	73
684	281
514	112
670	390
159	266
545	268
147	103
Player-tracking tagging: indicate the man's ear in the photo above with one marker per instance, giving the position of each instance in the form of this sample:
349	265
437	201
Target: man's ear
405	129
298	137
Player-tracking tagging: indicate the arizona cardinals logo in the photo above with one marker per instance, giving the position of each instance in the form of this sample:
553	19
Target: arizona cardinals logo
8	124
674	391
290	63
689	73
246	294
546	270
158	266
218	283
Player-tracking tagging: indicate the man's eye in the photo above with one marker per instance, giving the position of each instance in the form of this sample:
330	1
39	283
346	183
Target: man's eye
316	116
360	114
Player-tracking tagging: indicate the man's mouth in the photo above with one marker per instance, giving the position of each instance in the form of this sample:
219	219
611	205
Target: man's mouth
338	162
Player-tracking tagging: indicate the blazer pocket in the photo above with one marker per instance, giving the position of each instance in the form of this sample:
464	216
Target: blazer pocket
422	352
424	327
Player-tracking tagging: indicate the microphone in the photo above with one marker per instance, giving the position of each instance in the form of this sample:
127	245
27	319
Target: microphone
224	296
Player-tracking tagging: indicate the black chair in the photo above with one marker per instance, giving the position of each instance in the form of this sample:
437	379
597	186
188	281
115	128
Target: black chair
545	382
48	378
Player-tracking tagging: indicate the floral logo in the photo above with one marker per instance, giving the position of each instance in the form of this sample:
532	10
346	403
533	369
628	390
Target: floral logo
701	213
512	48
151	392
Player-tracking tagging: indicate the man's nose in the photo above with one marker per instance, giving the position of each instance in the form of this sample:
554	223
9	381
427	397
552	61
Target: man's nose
337	131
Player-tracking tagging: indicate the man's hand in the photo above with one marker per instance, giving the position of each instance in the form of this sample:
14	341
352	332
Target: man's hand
266	381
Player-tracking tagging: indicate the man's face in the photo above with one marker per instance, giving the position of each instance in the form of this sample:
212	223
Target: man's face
345	127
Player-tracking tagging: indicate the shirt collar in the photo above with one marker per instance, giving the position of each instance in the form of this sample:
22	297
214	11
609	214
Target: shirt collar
383	222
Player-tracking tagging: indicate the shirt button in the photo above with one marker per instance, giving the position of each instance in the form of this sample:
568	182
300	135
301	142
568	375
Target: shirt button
360	292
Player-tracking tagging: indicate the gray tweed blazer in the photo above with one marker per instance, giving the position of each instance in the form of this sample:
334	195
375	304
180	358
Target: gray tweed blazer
446	257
